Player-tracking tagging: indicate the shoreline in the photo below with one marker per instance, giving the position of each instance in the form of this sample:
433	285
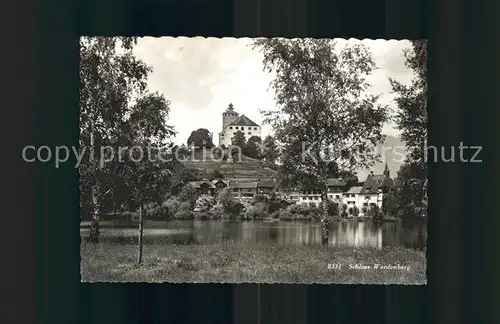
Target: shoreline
118	222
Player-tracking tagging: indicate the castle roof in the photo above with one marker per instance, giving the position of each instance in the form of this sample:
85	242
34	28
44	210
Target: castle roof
243	121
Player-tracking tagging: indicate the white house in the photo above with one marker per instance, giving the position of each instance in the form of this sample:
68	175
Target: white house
363	197
374	189
233	122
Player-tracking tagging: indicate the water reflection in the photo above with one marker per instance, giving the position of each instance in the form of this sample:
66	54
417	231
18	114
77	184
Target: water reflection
351	234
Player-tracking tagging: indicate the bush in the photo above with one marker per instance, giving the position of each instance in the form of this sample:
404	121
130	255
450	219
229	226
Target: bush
375	213
216	212
276	214
258	211
343	213
188	194
170	207
333	208
278	204
229	204
184	211
260	199
204	203
300	212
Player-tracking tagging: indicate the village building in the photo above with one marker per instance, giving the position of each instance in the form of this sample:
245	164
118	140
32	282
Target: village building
206	187
245	189
313	197
203	187
368	194
233	122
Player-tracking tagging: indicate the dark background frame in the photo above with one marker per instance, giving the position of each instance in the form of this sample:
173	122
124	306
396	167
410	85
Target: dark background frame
43	201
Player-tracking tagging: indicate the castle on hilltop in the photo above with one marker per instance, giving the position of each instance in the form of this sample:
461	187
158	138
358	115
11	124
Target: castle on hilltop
233	122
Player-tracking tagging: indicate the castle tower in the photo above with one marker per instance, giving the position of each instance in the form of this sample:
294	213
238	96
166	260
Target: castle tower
229	116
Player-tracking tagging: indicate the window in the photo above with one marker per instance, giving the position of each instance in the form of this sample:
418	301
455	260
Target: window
367	197
337	196
236	127
365	204
255	128
230	127
353	195
249	133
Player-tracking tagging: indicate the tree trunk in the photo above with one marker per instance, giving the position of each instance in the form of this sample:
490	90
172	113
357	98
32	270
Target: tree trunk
94	225
324	218
141	231
424	166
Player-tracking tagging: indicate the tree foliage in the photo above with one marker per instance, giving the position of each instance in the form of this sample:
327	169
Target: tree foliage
324	118
201	138
411	116
253	147
239	139
117	111
271	149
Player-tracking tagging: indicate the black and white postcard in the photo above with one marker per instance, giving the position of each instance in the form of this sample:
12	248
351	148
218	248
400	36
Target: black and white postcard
264	160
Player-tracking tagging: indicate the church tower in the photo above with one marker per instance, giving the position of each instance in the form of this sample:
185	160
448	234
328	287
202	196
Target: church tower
229	116
387	173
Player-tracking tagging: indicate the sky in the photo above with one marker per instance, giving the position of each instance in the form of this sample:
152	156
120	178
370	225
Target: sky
201	76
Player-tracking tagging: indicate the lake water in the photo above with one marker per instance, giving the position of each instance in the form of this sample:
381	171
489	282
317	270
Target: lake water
346	234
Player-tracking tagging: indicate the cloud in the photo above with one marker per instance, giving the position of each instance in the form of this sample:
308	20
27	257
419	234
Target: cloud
201	76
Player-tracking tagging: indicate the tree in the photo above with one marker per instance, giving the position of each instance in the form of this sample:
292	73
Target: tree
376	214
324	115
411	117
229	204
411	200
239	139
189	194
252	148
238	143
201	138
343	212
189	174
111	79
389	205
147	178
270	148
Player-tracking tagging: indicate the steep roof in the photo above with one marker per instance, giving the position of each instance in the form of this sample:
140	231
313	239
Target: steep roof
336	182
243	184
354	190
243	121
264	183
376	181
220	180
197	184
